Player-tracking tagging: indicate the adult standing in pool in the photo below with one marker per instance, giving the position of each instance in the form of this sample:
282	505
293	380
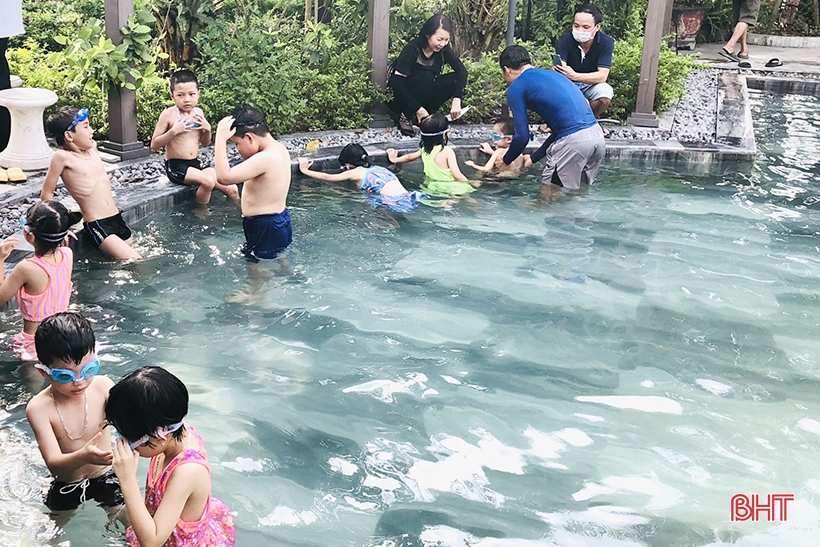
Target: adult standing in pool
418	87
575	149
11	24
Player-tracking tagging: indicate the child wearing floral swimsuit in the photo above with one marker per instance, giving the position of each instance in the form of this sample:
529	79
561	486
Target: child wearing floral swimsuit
380	186
179	513
214	529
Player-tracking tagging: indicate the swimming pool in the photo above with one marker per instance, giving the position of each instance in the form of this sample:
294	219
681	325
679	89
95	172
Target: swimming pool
606	370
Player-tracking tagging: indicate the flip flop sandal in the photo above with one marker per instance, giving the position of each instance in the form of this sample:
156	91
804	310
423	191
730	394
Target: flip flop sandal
15	174
742	55
729	55
775	62
744	64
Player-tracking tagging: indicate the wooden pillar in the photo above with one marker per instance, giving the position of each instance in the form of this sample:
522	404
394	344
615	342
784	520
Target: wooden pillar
378	35
122	103
657	21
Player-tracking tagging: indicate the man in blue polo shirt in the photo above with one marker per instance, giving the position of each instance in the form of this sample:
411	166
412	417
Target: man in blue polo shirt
586	53
575	148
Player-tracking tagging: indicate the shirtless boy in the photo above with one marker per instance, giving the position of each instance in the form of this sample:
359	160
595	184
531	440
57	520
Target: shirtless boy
68	416
182	129
266	174
85	178
502	136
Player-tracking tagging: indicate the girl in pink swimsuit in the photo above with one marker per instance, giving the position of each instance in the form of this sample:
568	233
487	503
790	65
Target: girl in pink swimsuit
42	282
147	408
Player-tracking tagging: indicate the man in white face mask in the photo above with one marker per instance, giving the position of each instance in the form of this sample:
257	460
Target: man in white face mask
586	57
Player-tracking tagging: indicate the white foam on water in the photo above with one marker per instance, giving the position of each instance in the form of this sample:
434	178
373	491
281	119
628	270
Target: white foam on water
360	505
648	384
285	516
643	403
346	468
609	516
810	425
383	390
713	386
451	380
248	465
754	466
590	417
447	536
574	437
661	496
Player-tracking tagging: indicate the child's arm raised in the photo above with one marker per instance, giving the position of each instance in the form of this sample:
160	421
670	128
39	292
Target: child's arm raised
60	464
394	157
167	129
490	165
55	169
245	171
181	487
452	164
351	174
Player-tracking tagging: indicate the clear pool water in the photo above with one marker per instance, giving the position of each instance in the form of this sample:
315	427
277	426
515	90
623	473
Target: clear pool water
608	370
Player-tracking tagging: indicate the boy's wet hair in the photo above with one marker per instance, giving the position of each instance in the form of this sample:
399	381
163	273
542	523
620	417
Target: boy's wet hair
65	336
148	399
354	154
514	57
183	77
437	21
592	10
436	125
58	123
507	126
248	119
49	221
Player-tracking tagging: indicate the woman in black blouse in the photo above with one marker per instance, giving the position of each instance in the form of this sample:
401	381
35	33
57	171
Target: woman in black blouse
418	87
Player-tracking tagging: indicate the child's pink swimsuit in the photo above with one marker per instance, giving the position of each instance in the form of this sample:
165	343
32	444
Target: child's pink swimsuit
214	529
36	307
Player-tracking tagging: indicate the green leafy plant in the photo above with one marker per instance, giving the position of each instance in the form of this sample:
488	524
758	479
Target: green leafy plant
93	61
178	23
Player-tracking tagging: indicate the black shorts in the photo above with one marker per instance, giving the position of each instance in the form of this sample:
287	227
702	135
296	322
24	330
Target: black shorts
100	229
177	169
65	496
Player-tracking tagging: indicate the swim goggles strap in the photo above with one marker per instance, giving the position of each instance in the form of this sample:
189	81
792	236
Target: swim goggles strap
435	134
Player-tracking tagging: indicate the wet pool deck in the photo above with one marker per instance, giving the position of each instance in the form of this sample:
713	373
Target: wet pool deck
733	151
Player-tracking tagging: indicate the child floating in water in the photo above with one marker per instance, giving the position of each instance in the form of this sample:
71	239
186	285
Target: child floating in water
502	136
42	282
147	408
379	184
442	176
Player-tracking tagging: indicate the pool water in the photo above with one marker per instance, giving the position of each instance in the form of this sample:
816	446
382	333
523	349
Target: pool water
604	370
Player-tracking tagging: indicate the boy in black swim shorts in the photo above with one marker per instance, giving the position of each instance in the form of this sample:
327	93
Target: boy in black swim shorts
68	416
82	170
182	129
266	177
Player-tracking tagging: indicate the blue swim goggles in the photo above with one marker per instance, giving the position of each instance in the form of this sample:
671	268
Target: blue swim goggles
498	137
66	376
160	433
80	116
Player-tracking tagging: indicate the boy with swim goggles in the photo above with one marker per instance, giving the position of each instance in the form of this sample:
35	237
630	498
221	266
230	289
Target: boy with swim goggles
68	416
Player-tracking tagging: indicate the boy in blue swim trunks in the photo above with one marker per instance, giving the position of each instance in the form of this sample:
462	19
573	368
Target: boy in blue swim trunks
266	177
182	129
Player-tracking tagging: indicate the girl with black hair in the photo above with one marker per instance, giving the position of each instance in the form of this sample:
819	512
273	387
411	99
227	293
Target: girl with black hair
380	185
418	87
442	175
147	408
42	282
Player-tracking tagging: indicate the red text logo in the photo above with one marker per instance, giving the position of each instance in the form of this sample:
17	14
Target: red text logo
772	507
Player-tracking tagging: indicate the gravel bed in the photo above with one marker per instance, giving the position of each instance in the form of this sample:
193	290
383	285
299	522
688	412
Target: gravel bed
696	114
